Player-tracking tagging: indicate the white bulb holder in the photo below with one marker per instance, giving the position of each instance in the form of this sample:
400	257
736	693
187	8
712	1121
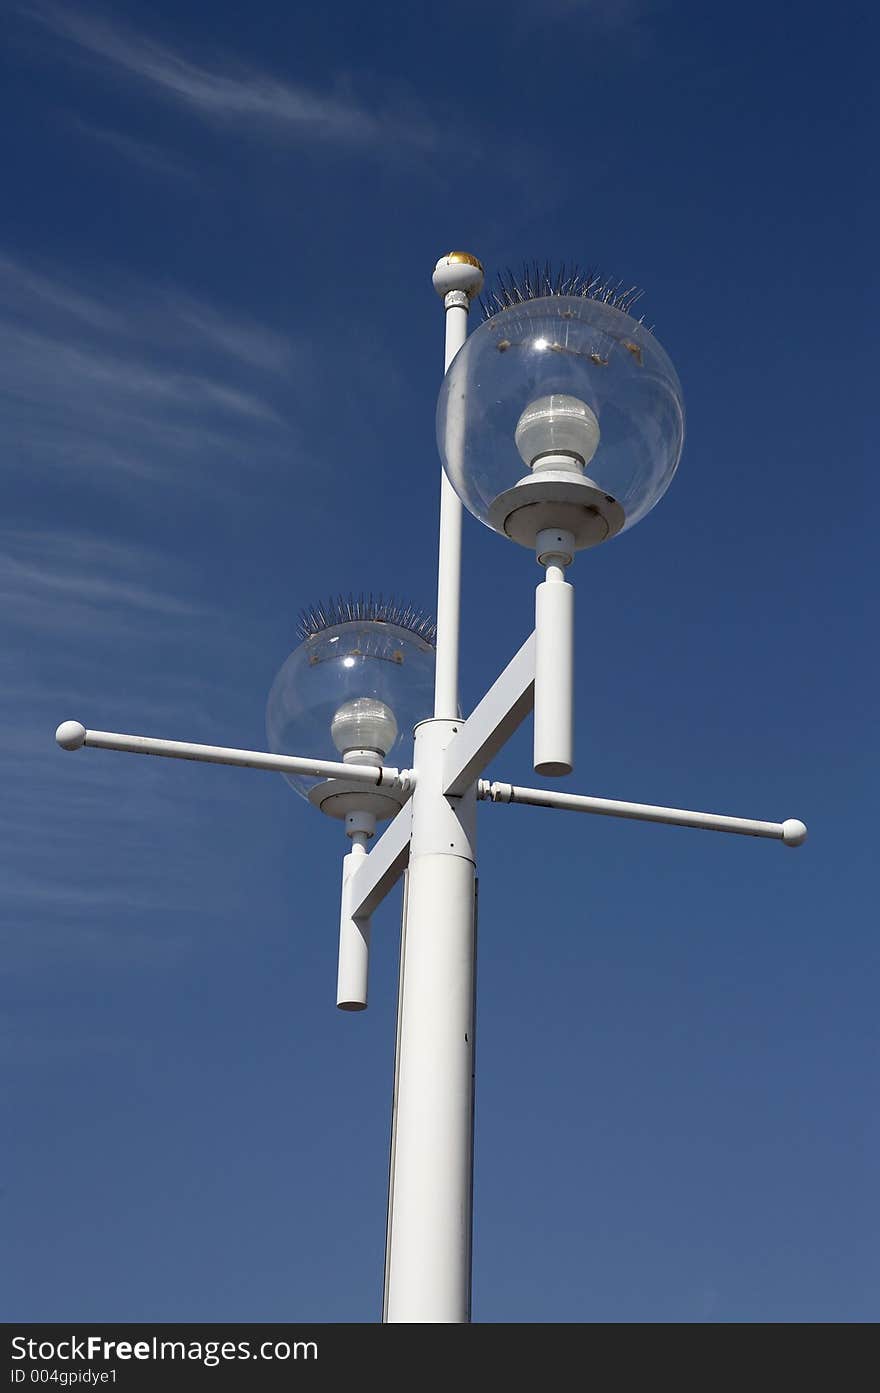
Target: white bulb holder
363	731
557	437
556	498
338	798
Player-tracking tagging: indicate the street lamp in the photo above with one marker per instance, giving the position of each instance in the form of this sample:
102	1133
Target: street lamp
362	676
560	424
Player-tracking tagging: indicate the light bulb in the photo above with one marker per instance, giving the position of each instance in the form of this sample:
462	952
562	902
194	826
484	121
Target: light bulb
557	432
363	724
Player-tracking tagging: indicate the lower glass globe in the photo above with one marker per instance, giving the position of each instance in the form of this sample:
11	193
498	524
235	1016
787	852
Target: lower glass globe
360	685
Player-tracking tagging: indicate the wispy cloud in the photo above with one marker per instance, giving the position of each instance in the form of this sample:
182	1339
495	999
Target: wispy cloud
242	96
100	628
138	380
250	344
69	580
21	288
84	371
36	890
153	315
134	150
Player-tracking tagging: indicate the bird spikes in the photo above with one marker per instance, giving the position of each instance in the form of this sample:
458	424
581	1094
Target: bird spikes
537	283
340	609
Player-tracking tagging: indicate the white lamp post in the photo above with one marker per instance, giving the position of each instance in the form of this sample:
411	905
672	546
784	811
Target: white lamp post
560	423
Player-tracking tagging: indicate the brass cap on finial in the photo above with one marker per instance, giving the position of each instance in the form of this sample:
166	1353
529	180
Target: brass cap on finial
458	271
464	259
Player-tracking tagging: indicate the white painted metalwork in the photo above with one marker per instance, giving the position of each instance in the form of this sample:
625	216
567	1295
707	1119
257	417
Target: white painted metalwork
429	1201
377	873
487	730
432	838
70	735
457	278
791	832
354	941
429	1241
554	658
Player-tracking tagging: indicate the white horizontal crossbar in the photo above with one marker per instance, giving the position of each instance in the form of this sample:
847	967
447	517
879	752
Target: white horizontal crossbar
71	735
491	724
381	869
792	832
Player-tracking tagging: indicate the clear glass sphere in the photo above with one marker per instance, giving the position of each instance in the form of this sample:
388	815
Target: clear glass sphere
539	377
361	681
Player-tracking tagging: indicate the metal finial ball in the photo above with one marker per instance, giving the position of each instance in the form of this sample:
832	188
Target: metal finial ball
70	735
458	271
464	259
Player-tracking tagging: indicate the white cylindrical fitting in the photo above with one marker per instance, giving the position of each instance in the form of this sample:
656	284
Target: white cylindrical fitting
429	1217
554	676
429	1247
449	558
354	944
457	278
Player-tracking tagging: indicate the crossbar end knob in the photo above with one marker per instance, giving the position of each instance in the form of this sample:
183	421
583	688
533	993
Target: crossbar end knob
70	735
794	833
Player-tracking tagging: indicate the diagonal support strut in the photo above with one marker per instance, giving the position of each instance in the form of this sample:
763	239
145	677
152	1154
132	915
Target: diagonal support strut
381	869
504	707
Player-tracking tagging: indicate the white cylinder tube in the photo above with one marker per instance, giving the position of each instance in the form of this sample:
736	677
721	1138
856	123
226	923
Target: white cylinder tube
354	944
554	676
429	1220
792	832
449	560
72	736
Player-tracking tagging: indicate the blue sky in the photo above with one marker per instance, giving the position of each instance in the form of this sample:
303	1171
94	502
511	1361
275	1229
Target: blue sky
219	363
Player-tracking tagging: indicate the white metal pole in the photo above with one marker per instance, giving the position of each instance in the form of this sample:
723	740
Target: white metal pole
457	278
429	1239
428	1254
391	1159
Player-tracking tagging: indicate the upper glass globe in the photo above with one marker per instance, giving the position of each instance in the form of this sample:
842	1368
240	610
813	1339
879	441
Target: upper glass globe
351	691
570	388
